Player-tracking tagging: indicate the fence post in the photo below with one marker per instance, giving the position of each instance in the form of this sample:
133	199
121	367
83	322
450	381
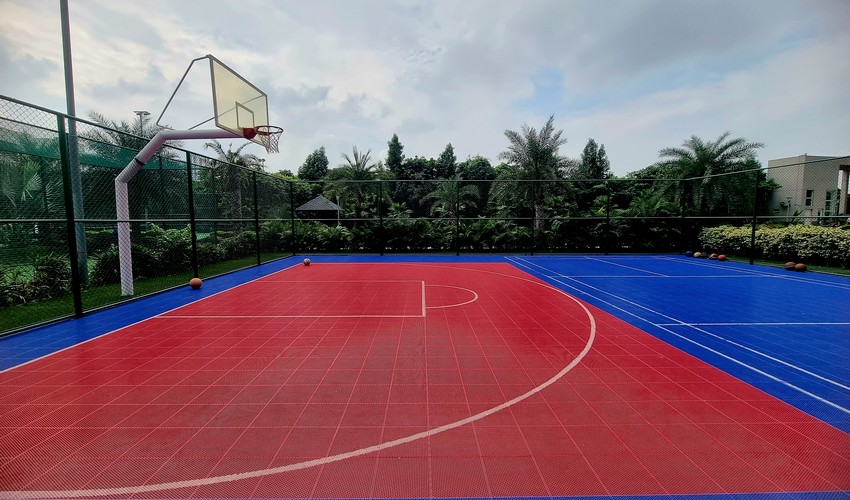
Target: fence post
607	217
457	218
291	220
256	219
76	284
756	172
682	209
533	212
192	224
380	215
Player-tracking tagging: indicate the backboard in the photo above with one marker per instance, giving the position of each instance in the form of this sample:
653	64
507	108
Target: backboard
211	91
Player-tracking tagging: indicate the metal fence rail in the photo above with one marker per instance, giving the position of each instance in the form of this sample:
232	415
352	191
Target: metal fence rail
204	217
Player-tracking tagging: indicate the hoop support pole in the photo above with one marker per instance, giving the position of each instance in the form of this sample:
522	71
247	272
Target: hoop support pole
122	200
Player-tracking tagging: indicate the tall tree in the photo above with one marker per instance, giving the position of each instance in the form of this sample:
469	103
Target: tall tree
235	170
594	163
446	163
536	157
593	168
395	156
355	175
701	161
481	174
451	195
315	166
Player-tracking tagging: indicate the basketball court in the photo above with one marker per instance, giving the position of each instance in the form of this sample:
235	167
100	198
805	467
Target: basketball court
441	377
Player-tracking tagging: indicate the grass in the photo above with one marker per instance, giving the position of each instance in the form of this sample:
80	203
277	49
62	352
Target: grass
841	271
23	315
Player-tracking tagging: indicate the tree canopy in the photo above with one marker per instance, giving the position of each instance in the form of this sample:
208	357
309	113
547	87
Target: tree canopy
315	166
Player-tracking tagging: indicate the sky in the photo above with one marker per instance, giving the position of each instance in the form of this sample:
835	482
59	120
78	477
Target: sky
635	75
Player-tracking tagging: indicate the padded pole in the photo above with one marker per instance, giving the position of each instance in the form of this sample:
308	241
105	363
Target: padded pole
122	201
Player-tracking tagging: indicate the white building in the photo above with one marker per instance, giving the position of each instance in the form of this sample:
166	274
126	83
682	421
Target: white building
810	186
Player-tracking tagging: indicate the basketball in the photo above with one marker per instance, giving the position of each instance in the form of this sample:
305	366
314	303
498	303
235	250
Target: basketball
721	258
801	267
306	262
789	266
195	283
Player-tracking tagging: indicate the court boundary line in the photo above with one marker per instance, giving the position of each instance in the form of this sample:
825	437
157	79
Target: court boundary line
558	275
803	279
296	316
132	490
683	337
787	323
255	316
141	320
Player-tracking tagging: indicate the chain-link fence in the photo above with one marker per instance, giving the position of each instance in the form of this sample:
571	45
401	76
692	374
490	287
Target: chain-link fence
191	215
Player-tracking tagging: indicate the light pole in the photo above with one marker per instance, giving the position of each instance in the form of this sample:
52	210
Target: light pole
141	115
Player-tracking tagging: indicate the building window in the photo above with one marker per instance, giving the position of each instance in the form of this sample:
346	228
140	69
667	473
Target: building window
809	195
827	206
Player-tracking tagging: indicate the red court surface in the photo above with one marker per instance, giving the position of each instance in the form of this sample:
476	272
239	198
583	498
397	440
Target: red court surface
397	380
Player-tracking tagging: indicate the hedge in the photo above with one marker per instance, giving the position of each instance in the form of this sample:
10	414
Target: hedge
811	244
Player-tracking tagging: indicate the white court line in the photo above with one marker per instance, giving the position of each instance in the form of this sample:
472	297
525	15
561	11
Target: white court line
474	297
784	323
143	320
257	316
679	323
656	277
627	267
251	316
790	276
193	483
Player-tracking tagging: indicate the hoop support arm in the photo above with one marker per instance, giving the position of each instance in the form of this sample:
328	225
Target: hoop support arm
122	199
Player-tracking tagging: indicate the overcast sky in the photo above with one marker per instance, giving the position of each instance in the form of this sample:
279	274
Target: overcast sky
636	75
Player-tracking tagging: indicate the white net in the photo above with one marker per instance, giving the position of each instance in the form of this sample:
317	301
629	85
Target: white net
269	137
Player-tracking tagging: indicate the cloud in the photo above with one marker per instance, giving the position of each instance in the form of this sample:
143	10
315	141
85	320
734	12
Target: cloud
637	76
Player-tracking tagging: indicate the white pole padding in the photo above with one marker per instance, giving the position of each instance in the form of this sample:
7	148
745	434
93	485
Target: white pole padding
122	200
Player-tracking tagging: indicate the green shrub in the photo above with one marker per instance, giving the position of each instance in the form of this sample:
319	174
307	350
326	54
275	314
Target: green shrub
13	286
240	245
727	239
275	236
332	238
171	246
798	242
99	241
209	252
51	277
106	269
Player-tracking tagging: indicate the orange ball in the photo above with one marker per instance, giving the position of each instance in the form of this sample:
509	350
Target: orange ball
800	267
721	258
195	283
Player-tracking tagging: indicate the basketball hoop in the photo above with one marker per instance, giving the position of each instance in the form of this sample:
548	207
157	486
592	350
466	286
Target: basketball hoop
267	135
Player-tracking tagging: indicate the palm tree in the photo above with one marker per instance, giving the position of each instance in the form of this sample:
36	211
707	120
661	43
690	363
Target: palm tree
535	156
701	160
354	178
448	195
131	136
31	185
236	167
